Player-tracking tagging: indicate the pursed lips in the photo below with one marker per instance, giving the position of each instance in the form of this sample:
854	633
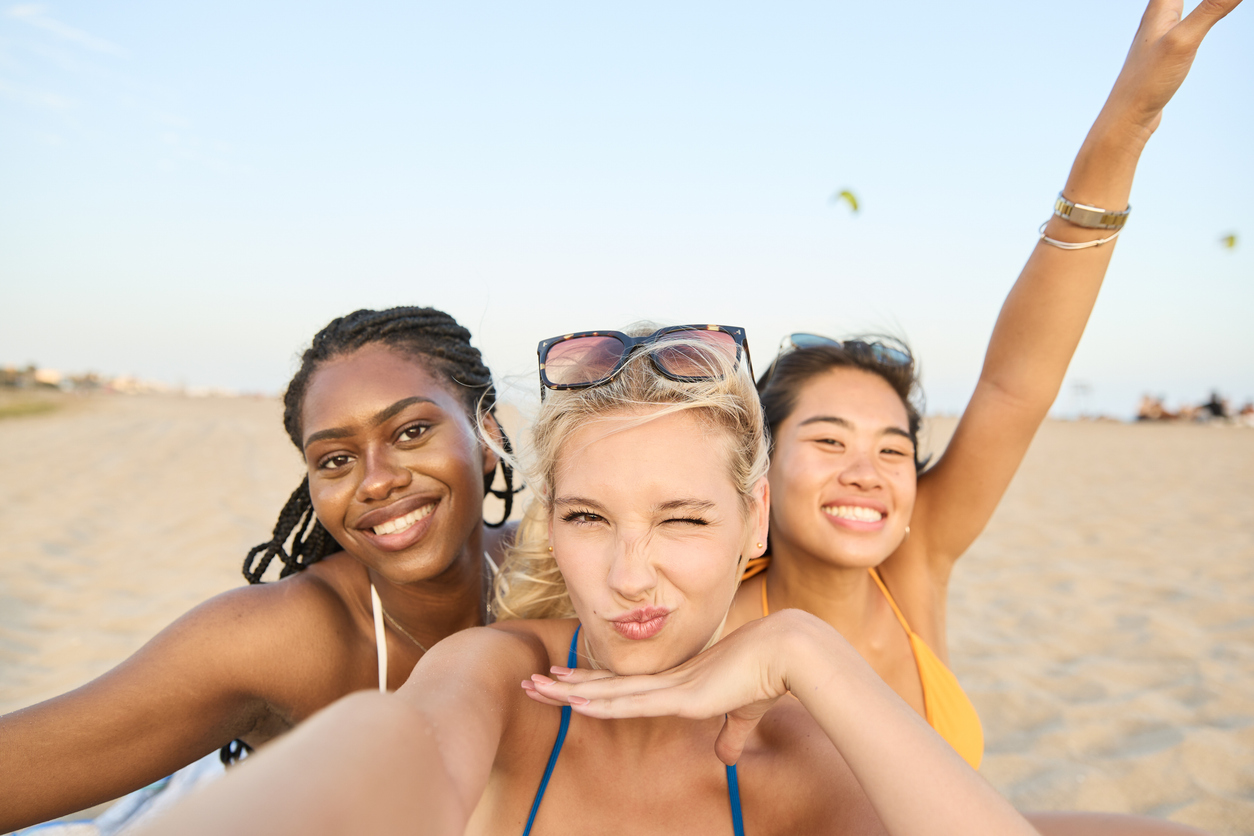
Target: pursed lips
642	623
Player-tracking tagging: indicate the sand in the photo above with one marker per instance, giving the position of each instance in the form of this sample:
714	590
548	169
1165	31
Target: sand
1103	624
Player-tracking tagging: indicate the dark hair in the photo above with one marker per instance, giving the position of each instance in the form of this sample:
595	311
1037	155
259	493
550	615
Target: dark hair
781	383
426	335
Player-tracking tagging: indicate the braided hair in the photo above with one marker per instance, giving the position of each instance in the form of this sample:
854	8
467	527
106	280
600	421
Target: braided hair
426	335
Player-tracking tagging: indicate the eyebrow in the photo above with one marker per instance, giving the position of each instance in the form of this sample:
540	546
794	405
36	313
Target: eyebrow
841	422
377	419
578	500
686	505
675	504
664	507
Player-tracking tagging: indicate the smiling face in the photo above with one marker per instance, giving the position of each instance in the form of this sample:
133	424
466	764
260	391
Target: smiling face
648	529
842	472
395	469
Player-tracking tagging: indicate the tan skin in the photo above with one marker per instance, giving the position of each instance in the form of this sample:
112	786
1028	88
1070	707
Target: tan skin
843	446
843	443
642	517
381	430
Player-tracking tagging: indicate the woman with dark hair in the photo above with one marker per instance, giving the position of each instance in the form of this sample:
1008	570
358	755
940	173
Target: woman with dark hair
383	551
862	534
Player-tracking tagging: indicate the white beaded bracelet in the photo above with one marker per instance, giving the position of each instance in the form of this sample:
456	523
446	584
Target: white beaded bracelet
1066	245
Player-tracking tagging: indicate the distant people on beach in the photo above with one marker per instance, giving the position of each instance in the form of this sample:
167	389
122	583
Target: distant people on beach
1217	408
1153	409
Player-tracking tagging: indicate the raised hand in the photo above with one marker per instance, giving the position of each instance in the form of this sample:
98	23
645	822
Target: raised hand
1160	57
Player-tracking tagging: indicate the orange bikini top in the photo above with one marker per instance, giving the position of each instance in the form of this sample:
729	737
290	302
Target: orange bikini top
948	709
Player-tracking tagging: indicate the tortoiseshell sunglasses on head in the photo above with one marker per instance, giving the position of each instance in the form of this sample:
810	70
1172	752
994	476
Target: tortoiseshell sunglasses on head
591	358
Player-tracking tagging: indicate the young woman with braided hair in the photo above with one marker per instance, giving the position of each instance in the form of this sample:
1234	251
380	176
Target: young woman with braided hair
388	554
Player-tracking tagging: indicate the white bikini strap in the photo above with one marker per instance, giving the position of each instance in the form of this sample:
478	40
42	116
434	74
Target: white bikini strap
380	638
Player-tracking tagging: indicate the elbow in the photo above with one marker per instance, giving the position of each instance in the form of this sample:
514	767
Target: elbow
1017	398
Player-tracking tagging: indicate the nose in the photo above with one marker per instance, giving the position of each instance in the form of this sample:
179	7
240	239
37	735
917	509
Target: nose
860	471
380	476
632	574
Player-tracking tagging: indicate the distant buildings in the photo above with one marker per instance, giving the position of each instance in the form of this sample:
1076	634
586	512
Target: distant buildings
33	378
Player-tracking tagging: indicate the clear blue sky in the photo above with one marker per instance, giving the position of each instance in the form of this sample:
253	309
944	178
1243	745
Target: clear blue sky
187	192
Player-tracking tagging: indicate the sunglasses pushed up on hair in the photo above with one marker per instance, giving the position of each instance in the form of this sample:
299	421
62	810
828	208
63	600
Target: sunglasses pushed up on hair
887	353
592	358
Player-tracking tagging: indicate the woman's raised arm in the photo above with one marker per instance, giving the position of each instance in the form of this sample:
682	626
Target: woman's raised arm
1044	316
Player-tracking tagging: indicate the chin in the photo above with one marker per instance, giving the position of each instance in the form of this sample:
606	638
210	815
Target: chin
403	569
865	557
638	659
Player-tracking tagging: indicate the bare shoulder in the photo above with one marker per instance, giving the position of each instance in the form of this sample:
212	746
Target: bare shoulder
504	652
295	643
471	681
317	599
478	673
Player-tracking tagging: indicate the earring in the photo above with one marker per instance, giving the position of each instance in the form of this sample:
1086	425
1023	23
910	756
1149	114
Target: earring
550	549
907	534
759	545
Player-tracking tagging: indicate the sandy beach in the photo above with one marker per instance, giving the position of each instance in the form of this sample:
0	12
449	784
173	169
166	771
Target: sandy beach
1103	624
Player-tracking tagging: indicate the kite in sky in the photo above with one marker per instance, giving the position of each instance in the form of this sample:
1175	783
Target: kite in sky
848	197
1229	240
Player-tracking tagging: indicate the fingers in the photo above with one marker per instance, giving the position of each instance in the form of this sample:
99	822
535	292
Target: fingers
1157	10
1207	14
732	737
577	675
611	697
530	689
568	675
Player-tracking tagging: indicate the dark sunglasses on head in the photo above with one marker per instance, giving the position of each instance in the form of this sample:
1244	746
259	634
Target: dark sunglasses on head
591	358
887	353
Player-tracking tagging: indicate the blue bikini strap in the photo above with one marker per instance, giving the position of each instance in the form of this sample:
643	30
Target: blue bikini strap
572	661
733	795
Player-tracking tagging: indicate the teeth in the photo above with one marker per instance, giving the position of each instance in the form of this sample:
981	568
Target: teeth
402	523
853	512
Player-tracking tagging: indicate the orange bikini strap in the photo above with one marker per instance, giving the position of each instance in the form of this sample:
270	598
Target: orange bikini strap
755	566
766	610
883	588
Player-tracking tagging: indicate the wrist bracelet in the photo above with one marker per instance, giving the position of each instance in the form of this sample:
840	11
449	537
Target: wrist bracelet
1067	245
1090	217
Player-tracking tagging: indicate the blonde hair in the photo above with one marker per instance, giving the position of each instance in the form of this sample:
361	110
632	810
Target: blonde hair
529	584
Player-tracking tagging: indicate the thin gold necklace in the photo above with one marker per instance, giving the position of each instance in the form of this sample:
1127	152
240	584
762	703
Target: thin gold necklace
488	576
390	620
